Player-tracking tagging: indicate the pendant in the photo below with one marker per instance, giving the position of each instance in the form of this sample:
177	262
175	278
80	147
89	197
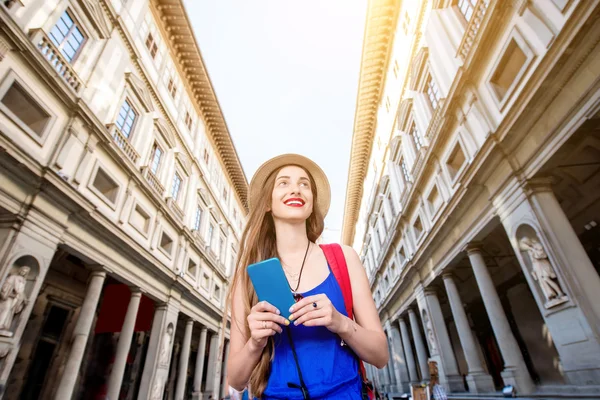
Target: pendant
297	296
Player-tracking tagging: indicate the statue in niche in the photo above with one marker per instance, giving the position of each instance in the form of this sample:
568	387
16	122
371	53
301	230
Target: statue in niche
158	389
429	333
165	347
543	272
12	299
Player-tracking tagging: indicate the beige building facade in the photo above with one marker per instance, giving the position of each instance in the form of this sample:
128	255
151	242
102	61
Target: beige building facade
474	192
122	201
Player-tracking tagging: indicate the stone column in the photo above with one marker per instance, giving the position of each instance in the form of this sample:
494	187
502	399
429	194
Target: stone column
66	387
184	358
158	355
116	374
212	365
479	381
420	346
397	355
438	340
515	371
410	357
199	370
225	385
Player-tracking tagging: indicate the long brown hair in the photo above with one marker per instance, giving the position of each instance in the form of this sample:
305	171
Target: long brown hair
259	243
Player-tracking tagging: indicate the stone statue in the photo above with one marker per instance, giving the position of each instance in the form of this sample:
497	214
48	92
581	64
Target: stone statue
158	389
12	299
165	348
429	332
541	269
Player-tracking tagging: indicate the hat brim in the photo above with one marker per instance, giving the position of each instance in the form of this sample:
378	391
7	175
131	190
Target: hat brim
264	171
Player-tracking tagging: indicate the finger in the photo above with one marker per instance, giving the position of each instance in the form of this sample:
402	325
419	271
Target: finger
323	321
267	325
307	300
267	316
264	306
310	315
323	303
264	333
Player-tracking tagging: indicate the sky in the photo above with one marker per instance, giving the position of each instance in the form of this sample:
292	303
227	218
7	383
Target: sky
286	77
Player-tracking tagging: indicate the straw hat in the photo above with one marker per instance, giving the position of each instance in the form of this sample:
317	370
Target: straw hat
264	171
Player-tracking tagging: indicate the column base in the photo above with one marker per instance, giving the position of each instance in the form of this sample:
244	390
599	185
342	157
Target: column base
196	395
454	383
518	378
480	382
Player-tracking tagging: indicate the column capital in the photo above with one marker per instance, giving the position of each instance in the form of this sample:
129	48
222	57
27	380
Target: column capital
473	247
98	271
448	275
136	291
204	328
430	291
189	321
541	184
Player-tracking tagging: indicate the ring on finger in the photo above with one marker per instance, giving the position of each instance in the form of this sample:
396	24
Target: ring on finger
264	324
314	304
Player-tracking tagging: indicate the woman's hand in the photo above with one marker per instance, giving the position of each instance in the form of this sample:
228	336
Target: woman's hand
317	310
264	321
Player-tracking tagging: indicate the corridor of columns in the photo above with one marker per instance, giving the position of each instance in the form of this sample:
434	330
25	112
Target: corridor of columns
89	336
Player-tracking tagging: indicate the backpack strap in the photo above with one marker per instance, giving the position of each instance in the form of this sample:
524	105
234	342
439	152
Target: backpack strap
334	254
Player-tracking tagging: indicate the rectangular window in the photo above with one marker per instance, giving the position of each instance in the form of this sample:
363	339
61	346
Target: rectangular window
456	160
225	193
209	238
106	186
172	87
25	109
188	120
67	36
166	243
156	155
140	219
222	248
205	156
512	62
396	68
414	132
405	23
418	228
404	171
151	45
126	119
198	218
235	214
433	92
176	186
466	8
387	104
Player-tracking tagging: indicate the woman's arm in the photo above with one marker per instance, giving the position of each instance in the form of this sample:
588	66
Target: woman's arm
244	351
365	336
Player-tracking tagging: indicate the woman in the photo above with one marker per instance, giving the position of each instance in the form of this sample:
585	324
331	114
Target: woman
289	198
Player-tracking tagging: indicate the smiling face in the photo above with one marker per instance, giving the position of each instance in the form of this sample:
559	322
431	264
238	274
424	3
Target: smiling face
292	198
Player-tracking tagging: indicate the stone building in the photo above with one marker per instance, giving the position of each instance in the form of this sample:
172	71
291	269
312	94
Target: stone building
122	201
474	192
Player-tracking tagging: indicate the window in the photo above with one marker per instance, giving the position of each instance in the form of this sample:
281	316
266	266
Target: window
225	193
217	293
198	218
140	219
402	255
205	281
67	36
418	228
205	156
209	238
176	186
405	23
155	155
387	104
151	45
192	268
105	186
166	243
25	109
126	119
235	215
188	120
172	87
396	68
466	8
404	171
511	64
455	161
434	200
433	92
414	132
222	248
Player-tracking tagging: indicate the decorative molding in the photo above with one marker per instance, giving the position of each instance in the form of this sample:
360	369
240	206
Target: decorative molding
139	89
4	48
96	15
417	68
167	133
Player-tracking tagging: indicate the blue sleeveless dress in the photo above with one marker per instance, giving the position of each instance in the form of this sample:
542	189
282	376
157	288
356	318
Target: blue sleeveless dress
330	371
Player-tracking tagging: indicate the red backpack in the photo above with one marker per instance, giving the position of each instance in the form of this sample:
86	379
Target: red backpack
337	262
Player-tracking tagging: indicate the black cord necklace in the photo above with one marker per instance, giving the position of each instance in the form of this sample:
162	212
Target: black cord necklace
298	296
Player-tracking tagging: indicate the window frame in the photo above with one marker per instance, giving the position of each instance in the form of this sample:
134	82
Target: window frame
176	174
471	4
155	146
76	23
5	86
127	99
100	195
197	226
433	90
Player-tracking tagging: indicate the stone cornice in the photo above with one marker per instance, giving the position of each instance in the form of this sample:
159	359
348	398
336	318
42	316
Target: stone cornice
182	43
379	33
